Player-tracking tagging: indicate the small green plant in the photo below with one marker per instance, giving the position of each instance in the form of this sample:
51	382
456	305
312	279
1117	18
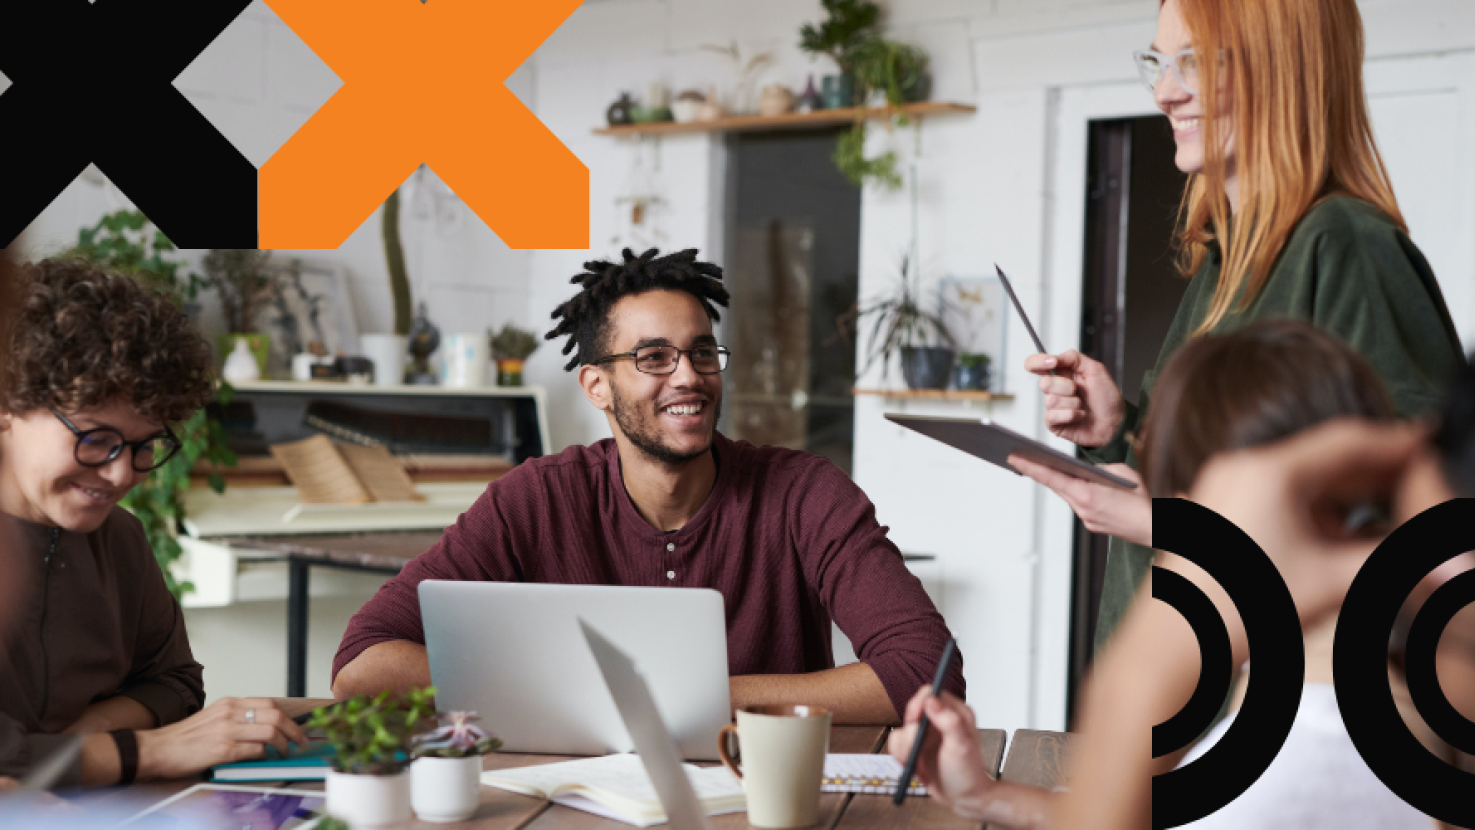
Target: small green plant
847	25
394	258
974	360
850	158
457	736
513	343
126	242
245	282
372	735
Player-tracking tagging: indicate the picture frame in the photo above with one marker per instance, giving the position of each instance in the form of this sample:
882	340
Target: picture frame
311	302
976	310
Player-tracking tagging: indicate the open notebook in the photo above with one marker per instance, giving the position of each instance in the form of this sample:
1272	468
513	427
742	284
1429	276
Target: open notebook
617	786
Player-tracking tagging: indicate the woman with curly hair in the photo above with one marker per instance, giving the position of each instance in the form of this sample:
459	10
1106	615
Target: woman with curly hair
98	368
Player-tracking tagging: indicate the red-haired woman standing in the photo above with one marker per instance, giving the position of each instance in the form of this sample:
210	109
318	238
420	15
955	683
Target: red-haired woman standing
1289	213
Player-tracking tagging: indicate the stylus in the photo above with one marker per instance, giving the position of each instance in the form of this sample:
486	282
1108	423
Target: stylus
1013	298
943	667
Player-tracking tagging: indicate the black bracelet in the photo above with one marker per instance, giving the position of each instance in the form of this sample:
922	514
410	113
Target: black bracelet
127	743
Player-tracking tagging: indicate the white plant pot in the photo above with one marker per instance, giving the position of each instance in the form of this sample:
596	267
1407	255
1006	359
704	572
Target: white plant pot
369	800
388	353
446	789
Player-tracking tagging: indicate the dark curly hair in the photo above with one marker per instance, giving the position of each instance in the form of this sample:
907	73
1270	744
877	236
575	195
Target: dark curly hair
84	336
586	314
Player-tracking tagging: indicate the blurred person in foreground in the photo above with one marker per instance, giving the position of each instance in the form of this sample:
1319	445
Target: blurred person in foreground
98	368
1256	392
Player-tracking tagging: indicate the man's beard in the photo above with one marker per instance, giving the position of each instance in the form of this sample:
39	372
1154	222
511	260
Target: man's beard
646	437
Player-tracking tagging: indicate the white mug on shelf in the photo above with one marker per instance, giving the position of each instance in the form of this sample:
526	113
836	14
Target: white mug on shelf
465	357
388	352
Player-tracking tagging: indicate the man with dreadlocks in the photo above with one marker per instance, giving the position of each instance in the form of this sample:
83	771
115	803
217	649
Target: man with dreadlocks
786	537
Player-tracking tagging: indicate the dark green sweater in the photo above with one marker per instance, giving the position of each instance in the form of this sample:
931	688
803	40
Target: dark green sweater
1350	271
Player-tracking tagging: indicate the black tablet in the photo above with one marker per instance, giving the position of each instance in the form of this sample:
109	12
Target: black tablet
995	444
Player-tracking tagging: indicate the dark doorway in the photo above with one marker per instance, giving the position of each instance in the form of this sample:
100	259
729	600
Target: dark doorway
793	261
1131	293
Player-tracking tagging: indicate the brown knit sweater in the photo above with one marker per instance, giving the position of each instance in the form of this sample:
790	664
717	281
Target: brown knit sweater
88	617
787	539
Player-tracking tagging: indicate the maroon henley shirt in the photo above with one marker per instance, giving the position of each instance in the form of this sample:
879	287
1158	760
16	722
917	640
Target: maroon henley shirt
786	537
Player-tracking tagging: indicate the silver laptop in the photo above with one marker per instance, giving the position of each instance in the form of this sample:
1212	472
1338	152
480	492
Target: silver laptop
653	742
514	653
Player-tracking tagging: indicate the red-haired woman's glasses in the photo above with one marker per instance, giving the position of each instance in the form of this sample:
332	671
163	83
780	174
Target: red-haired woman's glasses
98	447
1151	65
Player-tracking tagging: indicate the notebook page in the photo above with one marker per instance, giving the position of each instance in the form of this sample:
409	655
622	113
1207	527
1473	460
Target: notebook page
875	774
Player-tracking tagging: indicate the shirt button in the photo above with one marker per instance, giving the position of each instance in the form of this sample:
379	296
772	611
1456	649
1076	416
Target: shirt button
670	546
670	574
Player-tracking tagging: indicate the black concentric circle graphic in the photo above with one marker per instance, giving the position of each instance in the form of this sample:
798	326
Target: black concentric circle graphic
1360	662
1216	673
1259	731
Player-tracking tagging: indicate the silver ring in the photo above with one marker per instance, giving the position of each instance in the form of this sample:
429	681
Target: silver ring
250	716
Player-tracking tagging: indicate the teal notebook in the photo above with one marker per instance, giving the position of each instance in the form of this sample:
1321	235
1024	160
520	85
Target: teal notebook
307	764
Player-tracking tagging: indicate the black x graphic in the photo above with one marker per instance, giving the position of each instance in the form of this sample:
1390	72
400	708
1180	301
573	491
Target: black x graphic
94	83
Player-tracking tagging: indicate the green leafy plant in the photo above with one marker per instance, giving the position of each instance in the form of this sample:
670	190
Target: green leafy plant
901	321
847	25
457	736
898	69
850	158
372	735
128	243
513	343
245	282
974	360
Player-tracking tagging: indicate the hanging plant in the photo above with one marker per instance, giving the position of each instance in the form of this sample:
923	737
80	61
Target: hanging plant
125	242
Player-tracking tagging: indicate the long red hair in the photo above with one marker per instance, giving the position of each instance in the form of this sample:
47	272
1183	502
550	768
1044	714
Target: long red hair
1300	129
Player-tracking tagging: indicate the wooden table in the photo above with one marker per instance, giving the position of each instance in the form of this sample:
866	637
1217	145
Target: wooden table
385	553
502	810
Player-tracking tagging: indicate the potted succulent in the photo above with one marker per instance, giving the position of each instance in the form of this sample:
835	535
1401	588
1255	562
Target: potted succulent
446	775
388	351
369	783
904	328
246	283
511	348
972	372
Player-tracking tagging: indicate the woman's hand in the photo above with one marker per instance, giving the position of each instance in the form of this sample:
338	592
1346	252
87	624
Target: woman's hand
1274	493
226	731
951	765
1082	403
1126	514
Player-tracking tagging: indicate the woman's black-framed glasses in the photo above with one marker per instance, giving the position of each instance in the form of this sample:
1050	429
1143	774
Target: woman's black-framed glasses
99	447
663	360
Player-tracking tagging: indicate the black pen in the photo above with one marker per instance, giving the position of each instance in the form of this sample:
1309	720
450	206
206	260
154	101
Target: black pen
943	666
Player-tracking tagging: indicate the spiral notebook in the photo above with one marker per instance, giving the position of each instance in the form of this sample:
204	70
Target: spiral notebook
869	774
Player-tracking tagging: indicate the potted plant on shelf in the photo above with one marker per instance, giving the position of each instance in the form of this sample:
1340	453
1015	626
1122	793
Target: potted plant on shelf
904	328
511	348
246	283
848	23
971	373
388	351
369	783
446	775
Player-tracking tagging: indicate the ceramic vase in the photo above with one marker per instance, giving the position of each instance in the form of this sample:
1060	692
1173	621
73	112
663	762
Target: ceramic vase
240	365
618	113
926	367
387	351
445	789
369	800
258	344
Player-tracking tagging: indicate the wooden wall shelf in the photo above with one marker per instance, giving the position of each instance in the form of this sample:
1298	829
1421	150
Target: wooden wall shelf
788	121
936	395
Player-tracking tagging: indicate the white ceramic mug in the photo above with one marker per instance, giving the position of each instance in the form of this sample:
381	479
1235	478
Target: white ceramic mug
465	357
783	753
388	352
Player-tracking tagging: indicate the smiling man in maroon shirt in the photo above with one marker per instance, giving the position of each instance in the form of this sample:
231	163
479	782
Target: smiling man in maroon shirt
789	541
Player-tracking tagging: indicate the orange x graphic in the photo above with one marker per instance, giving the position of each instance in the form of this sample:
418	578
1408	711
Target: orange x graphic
423	83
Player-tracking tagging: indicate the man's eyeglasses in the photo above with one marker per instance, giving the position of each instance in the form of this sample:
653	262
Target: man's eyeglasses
1151	65
98	447
663	360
